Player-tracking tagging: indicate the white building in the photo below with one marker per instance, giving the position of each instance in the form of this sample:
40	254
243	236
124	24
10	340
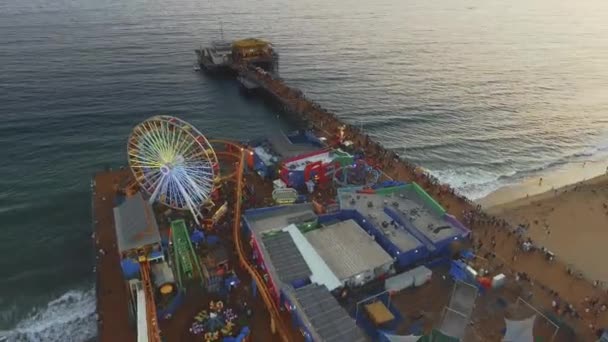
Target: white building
352	255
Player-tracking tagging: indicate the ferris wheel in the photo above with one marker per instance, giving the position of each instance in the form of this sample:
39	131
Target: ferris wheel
173	162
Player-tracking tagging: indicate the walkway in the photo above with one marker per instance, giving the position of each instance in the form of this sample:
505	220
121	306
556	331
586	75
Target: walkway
112	297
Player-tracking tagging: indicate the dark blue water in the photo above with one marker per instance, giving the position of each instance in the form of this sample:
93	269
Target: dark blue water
481	93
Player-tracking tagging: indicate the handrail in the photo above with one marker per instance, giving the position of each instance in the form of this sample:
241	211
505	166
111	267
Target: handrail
263	290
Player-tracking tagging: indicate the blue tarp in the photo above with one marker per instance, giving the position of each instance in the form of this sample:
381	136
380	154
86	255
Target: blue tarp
212	240
241	337
172	307
468	254
295	179
156	255
231	281
197	236
458	272
130	268
300	283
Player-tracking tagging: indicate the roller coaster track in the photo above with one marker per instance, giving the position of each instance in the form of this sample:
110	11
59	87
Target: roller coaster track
183	252
262	289
225	142
235	155
152	323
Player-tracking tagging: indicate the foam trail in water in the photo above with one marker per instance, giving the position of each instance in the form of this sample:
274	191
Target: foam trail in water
475	183
69	318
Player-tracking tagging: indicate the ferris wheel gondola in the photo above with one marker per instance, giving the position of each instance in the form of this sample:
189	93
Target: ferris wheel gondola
173	162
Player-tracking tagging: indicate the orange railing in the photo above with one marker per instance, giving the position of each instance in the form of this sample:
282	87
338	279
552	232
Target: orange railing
262	289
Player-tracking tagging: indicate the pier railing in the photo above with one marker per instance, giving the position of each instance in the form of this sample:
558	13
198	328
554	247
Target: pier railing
275	315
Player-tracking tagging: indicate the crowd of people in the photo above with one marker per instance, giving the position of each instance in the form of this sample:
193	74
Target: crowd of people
327	123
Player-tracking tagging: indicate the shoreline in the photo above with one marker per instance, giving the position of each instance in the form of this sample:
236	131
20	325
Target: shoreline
546	280
566	176
517	202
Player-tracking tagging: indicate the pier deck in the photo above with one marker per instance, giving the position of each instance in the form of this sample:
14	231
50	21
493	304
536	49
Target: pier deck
112	295
486	231
115	323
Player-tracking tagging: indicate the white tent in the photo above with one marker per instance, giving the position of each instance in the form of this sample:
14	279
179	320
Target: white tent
520	331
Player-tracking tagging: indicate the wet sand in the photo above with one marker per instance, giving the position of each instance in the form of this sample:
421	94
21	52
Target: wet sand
571	221
555	179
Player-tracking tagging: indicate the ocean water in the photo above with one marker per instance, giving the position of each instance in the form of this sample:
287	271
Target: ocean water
479	92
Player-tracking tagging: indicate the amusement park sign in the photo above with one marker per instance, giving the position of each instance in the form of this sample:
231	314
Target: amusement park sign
285	196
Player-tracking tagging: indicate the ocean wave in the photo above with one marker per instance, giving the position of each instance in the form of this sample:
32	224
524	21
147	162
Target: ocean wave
475	183
69	318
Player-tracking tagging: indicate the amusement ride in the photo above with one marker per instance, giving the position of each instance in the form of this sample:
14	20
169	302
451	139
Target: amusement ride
176	166
173	162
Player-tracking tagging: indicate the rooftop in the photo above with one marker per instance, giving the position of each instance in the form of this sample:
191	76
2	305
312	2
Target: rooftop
291	146
396	233
162	273
277	218
415	208
135	224
347	249
421	214
321	273
325	317
300	164
286	259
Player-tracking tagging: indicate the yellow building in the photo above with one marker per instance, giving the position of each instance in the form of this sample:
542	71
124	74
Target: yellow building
251	48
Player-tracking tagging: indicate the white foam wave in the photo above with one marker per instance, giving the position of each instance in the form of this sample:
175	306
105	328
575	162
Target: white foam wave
69	318
475	183
472	182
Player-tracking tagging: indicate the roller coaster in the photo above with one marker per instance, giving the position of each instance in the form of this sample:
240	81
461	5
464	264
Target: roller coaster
276	321
185	258
186	262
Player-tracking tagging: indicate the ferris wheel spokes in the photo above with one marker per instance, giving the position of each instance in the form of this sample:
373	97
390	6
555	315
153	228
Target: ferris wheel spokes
173	162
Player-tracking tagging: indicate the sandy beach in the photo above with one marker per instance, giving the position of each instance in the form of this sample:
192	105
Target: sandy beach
571	221
554	179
